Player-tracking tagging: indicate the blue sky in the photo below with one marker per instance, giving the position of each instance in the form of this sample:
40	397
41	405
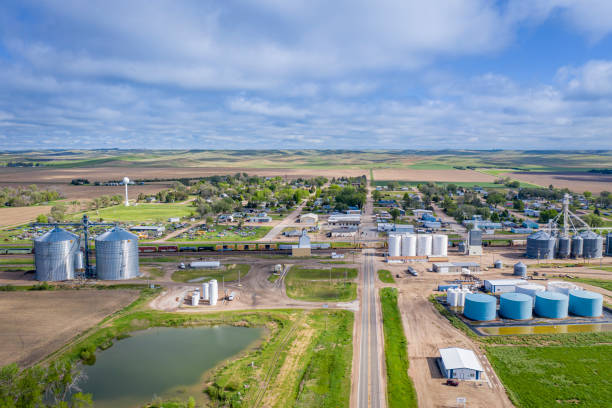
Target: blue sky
526	74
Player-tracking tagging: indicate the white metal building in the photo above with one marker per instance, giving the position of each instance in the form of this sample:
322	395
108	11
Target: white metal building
309	219
502	285
344	220
459	363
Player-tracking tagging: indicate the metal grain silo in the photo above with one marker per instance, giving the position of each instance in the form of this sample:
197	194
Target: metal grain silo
564	246
515	306
117	255
440	245
552	305
424	244
395	245
520	269
479	306
609	244
541	245
585	303
409	245
498	264
475	237
592	244
213	292
54	254
577	246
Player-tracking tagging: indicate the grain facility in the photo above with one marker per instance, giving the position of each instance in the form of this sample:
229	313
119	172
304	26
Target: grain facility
585	303
117	255
552	305
516	306
410	245
480	307
54	255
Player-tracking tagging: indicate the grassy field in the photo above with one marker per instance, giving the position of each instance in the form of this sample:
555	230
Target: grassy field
385	276
140	213
400	390
555	376
321	285
17	261
227	272
603	268
224	233
602	283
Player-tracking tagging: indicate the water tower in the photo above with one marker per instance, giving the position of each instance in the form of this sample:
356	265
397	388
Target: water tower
126	181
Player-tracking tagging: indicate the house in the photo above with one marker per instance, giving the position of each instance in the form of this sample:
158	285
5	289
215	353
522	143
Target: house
309	219
531	213
530	224
419	213
259	219
460	364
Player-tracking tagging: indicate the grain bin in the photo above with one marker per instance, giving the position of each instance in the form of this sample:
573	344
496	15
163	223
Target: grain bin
475	237
564	247
195	298
79	261
498	264
439	245
479	306
213	292
117	255
577	246
520	269
395	245
530	289
609	244
409	245
541	245
552	305
54	254
205	291
592	244
515	306
424	244
585	303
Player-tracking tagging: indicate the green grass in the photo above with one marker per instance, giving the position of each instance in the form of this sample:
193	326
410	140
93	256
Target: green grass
273	278
222	234
555	376
385	276
603	268
400	390
227	272
140	213
315	285
17	261
602	283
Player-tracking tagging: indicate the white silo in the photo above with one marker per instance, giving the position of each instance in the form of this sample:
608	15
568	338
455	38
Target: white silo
409	245
213	292
195	298
424	243
440	245
461	299
205	292
451	297
395	245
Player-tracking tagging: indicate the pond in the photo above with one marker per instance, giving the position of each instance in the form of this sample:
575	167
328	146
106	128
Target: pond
165	362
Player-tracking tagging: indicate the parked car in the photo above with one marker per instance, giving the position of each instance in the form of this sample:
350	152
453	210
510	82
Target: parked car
452	382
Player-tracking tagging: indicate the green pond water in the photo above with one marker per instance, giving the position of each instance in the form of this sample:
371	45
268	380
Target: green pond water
555	329
164	362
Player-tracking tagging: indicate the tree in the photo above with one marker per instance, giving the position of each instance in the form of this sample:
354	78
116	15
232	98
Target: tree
495	198
593	220
546	215
203	210
495	217
395	213
518	205
58	212
42	218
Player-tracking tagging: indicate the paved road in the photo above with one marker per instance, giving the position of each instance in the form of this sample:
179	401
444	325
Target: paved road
288	220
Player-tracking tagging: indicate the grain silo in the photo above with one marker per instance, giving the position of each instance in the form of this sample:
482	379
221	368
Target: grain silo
609	244
452	298
205	292
475	237
195	298
585	303
552	305
515	306
213	292
395	245
520	269
409	245
440	245
424	244
117	255
498	264
530	289
564	247
479	306
541	245
576	246
592	244
54	254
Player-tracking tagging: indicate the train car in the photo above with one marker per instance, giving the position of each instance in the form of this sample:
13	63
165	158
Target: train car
250	247
225	247
240	247
187	249
267	247
206	248
147	249
168	248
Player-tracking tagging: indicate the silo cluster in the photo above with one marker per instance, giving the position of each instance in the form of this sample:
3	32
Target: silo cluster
542	245
54	255
418	245
455	297
117	255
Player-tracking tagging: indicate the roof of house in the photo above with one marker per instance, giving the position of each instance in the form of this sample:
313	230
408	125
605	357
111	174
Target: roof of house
454	358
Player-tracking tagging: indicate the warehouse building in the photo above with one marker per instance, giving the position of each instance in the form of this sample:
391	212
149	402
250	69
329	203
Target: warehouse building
502	285
460	364
455	267
309	219
344	220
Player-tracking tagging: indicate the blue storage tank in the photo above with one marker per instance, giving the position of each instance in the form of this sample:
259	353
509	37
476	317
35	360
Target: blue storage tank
515	306
479	306
551	304
585	303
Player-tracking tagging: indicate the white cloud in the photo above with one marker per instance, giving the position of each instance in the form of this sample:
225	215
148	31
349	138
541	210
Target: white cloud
593	79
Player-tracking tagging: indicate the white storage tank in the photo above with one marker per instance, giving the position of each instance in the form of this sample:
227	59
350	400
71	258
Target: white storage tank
205	264
440	245
530	289
452	297
561	287
409	245
205	291
195	298
213	292
461	300
395	245
424	244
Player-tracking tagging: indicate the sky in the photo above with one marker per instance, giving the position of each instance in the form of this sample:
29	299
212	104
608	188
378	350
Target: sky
291	74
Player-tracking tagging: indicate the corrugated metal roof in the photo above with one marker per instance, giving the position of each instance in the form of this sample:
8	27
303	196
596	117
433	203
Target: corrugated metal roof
116	234
454	358
57	235
502	282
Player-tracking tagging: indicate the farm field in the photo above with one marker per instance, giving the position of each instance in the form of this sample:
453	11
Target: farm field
13	216
227	272
321	285
139	213
34	324
578	182
555	376
440	175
